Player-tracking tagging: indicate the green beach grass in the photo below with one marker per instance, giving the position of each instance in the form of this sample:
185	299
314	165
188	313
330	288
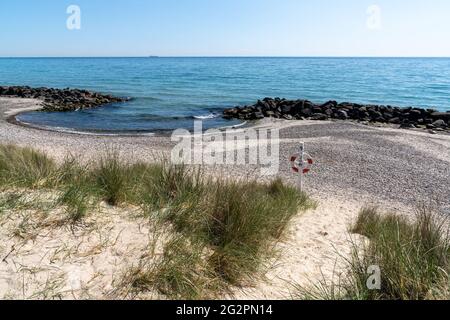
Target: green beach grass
413	256
224	231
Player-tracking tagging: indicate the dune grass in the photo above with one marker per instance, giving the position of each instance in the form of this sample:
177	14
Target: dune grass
180	273
239	220
25	167
224	230
77	202
413	256
231	227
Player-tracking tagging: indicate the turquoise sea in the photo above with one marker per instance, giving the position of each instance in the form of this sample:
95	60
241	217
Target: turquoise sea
170	93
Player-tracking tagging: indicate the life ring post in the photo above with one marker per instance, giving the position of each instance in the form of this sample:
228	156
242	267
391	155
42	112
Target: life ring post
302	160
301	164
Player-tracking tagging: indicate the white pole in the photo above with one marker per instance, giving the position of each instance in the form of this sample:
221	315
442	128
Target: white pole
302	162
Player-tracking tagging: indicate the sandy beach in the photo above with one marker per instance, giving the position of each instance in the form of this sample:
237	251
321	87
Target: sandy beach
355	165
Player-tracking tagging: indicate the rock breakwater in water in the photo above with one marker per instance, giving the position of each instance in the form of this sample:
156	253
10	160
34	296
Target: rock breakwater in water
61	99
429	119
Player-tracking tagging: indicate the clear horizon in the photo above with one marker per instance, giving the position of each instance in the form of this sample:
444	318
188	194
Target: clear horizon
232	28
268	57
225	57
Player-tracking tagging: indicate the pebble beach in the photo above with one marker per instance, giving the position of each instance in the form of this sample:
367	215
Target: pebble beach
351	160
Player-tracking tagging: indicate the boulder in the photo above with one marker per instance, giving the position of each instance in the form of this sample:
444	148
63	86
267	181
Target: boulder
415	114
439	124
346	105
364	116
246	110
342	114
407	125
329	104
319	116
441	115
308	104
302	109
269	113
257	115
317	109
286	109
394	121
307	112
61	100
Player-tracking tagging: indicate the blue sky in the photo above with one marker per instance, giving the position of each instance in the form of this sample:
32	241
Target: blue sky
225	28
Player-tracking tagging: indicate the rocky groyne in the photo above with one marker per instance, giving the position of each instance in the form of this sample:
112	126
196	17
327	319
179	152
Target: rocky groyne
61	99
429	119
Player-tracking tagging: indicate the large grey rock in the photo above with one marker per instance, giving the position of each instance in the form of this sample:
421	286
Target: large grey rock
439	124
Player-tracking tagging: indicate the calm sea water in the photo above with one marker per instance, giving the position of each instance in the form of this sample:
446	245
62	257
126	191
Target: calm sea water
170	92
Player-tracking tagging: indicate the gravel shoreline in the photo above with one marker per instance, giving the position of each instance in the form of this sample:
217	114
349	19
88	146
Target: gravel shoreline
352	161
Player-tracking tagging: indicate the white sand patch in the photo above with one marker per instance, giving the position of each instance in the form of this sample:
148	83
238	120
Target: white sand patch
314	250
83	262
